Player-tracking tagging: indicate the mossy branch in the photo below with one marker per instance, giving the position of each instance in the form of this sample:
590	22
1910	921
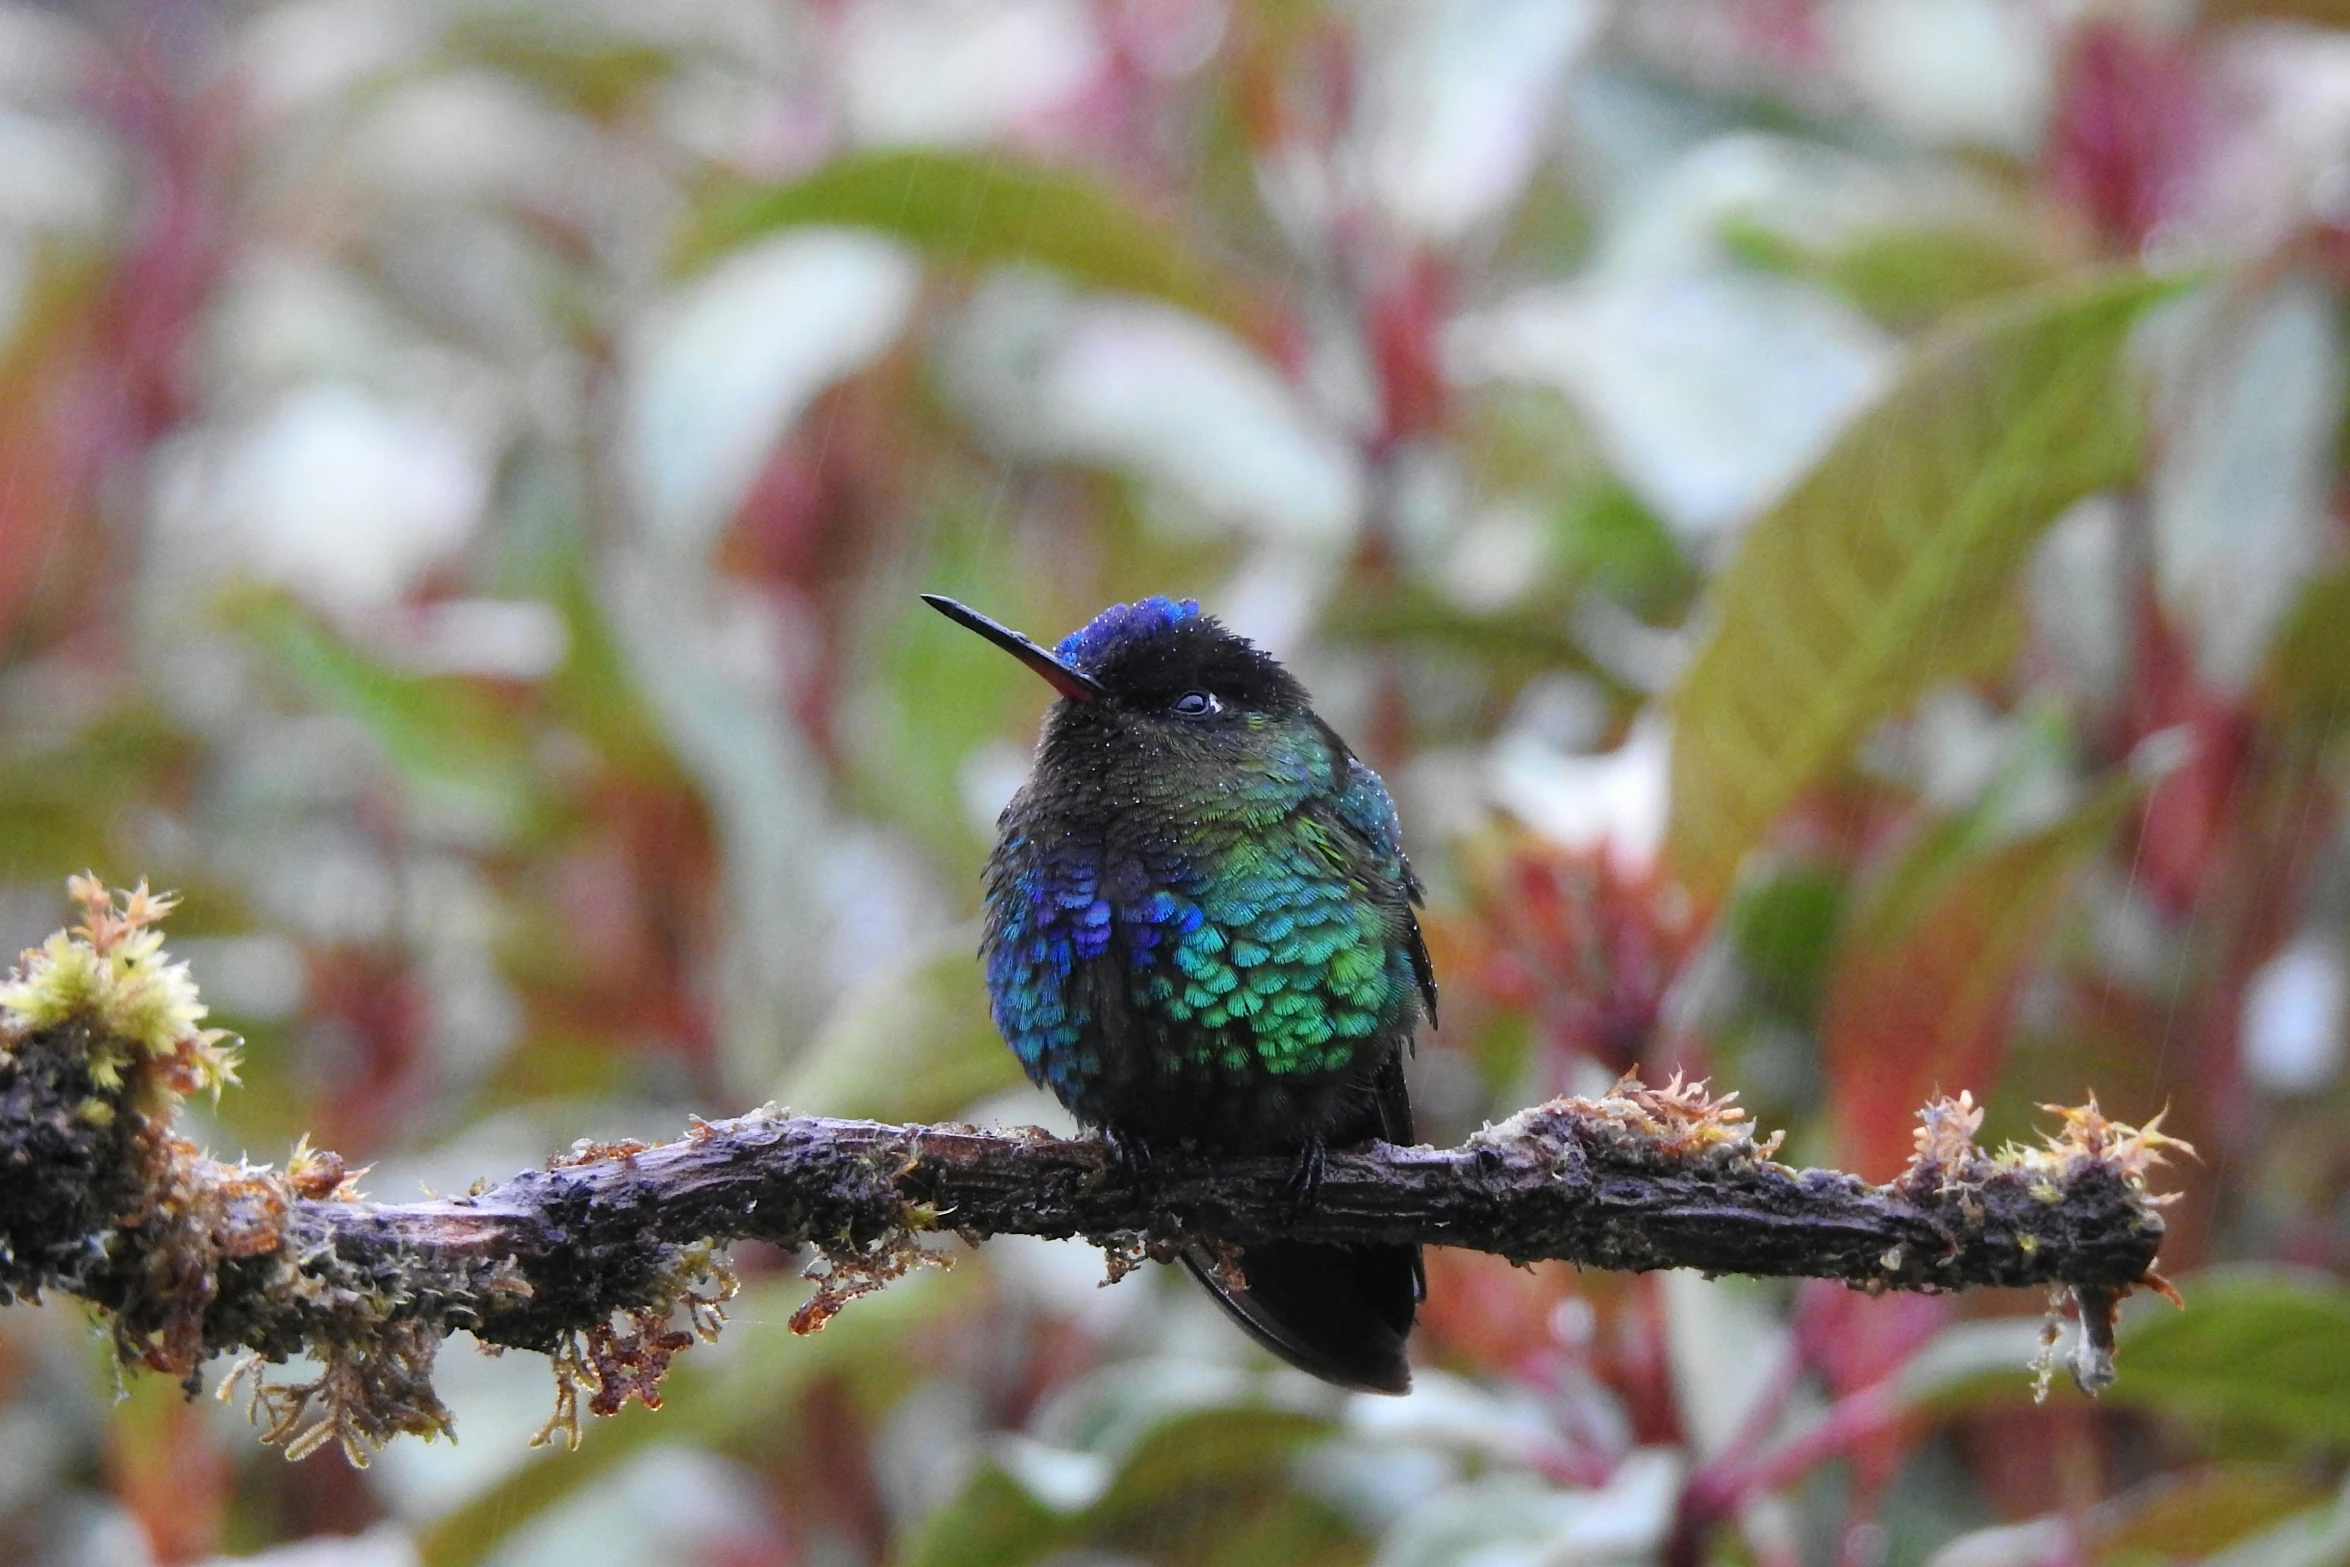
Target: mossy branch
592	1259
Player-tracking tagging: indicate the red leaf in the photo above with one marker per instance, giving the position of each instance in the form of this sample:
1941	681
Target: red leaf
2129	115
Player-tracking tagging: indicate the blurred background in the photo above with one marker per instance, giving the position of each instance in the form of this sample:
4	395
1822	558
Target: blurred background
1826	513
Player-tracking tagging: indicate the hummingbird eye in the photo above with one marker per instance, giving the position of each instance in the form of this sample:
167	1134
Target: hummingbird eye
1197	704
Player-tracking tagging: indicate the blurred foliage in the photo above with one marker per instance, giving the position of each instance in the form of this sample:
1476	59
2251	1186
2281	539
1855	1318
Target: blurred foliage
1925	985
448	739
1874	575
913	1043
1208	1486
2309	674
731	1406
1826	515
1906	278
986	210
2262	1351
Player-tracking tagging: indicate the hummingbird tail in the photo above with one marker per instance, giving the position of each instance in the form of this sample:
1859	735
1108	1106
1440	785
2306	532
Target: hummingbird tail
1336	1313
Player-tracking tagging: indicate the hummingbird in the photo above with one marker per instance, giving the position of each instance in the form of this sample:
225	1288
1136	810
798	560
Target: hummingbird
1199	932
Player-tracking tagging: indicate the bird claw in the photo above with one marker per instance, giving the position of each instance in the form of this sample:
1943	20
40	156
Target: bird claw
1129	1154
1304	1186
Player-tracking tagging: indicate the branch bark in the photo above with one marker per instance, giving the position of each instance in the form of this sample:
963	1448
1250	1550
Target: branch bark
590	1259
1575	1181
1641	1179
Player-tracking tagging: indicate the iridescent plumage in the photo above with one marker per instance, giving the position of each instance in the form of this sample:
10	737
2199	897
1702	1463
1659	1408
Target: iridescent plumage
1200	929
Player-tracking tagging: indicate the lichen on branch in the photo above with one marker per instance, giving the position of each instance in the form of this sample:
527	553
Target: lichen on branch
610	1260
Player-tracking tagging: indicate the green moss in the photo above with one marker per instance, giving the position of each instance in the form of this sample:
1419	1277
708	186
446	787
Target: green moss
111	976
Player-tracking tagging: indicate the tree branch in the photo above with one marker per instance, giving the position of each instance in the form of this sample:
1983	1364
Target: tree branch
589	1259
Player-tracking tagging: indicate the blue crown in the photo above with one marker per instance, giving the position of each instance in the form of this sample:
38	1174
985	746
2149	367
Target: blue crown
1120	622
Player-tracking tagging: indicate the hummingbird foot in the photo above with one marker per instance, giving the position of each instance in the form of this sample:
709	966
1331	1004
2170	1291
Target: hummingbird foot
1130	1155
1304	1186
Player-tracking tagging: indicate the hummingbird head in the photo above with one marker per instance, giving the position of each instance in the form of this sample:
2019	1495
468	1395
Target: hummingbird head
1157	664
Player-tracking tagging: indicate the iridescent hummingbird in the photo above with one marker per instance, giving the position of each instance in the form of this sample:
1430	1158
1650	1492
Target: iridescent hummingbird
1199	931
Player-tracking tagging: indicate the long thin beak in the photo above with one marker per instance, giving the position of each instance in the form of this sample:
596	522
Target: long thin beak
1072	683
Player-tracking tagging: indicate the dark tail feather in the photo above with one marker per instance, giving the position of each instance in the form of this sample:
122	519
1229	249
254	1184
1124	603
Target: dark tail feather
1338	1313
1341	1315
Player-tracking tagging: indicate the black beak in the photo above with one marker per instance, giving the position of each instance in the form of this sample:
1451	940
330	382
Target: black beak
1074	684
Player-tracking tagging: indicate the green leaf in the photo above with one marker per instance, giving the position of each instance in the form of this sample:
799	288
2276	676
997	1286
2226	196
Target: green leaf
456	747
967	209
598	73
1904	277
62	806
1607	538
2307	680
912	1043
1238	1445
2260	1348
2325	13
1852	594
598	696
933	694
1508	646
2318	1537
2194	1515
995	1522
2222	1513
1783	930
1208	1485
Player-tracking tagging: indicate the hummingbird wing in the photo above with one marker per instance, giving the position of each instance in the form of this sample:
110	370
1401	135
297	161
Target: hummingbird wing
1394	1104
1367	815
1345	1314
